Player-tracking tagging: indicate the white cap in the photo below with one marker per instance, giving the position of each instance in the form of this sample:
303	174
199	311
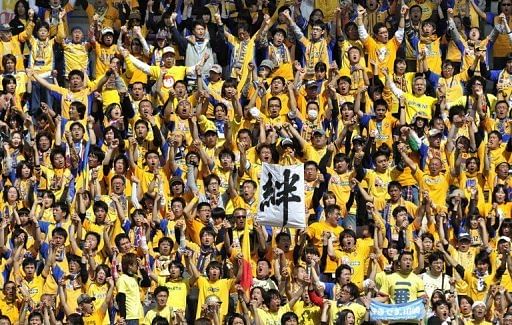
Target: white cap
168	49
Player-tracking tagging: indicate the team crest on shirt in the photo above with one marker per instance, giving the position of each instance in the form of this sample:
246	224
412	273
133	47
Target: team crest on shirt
382	53
168	81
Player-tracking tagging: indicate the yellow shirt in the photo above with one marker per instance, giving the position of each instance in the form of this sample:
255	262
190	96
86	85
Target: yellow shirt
103	56
315	233
97	317
171	75
383	55
436	186
418	105
76	56
378	183
356	260
41	53
272	318
178	292
130	287
10	310
68	96
308	315
220	288
166	312
403	288
358	310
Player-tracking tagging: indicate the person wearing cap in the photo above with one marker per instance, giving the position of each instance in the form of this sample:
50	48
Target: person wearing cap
313	150
86	304
10	44
171	72
104	49
310	93
479	313
215	83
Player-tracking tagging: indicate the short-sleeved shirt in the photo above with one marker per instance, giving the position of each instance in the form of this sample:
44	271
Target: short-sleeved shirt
130	287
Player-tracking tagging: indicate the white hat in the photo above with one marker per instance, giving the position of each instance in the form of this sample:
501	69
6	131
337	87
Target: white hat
168	49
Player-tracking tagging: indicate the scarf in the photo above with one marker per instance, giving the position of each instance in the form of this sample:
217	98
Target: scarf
428	39
206	255
480	281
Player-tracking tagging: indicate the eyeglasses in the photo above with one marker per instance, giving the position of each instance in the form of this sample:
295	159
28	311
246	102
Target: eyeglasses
240	216
506	4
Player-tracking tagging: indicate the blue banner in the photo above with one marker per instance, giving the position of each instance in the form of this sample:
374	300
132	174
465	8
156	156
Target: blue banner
414	310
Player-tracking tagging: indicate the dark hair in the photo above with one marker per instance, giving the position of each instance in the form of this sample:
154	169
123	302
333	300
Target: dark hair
230	318
7	79
161	289
435	256
340	269
268	295
378	26
353	289
342	316
159	320
77	73
218	212
497	188
75	319
100	205
290	315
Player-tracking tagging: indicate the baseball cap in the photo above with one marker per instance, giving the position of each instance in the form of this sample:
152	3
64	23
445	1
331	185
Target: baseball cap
319	131
434	132
359	139
210	130
161	35
176	179
286	142
85	298
212	299
267	63
478	303
311	84
463	235
5	28
216	68
457	192
107	30
505	238
135	15
168	49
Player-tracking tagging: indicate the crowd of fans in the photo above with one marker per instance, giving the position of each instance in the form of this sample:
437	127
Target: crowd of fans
132	151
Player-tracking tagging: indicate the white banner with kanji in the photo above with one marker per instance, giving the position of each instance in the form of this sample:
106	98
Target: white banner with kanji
282	202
